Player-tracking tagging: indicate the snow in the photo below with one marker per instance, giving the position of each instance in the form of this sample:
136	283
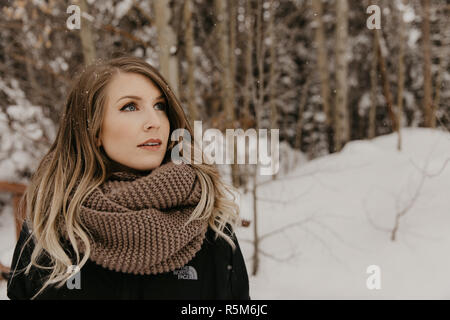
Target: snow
337	213
413	37
25	132
59	65
122	8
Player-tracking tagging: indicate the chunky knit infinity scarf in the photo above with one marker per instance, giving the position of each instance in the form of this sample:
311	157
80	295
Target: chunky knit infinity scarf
137	221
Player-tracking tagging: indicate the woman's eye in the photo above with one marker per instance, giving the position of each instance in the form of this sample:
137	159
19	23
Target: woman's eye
132	106
129	105
161	105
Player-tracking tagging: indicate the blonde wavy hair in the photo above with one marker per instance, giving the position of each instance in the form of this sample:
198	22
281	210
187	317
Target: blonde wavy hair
74	166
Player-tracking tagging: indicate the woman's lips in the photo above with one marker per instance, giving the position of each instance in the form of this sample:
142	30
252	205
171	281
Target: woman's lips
151	141
151	148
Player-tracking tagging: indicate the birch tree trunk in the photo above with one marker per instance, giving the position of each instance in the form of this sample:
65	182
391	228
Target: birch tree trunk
429	112
189	40
224	59
385	80
232	53
401	75
341	119
249	92
255	265
444	53
258	110
260	63
322	59
87	42
272	76
273	61
235	168
373	90
167	44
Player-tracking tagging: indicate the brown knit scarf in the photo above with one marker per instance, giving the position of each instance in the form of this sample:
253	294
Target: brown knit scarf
137	221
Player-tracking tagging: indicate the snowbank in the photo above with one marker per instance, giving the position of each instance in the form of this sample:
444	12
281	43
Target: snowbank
338	220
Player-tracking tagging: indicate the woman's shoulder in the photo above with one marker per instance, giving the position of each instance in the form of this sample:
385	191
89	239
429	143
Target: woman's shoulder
212	237
225	255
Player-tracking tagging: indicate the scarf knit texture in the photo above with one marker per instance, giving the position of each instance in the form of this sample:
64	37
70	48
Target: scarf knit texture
137	221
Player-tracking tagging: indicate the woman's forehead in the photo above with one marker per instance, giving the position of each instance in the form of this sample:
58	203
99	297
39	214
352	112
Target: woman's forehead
132	84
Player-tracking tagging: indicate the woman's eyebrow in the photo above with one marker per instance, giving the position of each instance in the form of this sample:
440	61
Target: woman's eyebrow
139	98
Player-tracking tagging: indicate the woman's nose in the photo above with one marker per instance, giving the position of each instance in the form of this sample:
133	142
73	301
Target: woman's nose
151	119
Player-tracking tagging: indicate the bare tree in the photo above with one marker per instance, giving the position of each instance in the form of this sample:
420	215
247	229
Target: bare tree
322	59
226	36
259	111
429	112
341	119
444	51
249	92
222	34
424	174
273	63
87	42
272	77
189	40
385	80
373	89
167	43
260	54
232	4
255	222
401	74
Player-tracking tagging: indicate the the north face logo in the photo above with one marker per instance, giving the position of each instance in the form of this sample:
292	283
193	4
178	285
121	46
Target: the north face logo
186	273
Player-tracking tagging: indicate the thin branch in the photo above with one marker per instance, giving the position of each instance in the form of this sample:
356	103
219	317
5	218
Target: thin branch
285	259
431	175
284	228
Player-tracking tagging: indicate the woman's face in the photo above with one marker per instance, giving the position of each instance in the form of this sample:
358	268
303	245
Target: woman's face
130	121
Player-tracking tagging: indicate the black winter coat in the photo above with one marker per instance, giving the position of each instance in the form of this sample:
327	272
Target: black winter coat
215	272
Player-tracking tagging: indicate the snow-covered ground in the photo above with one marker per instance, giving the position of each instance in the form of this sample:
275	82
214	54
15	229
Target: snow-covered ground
328	220
338	218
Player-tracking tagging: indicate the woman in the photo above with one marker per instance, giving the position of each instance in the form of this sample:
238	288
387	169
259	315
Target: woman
110	215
